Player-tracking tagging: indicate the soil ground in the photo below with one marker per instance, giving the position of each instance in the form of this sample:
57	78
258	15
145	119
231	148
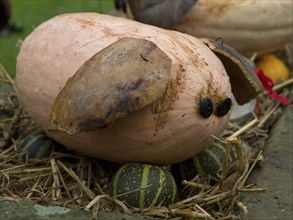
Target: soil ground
275	174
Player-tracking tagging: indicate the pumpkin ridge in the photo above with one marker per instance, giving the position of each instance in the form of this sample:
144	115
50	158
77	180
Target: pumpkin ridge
144	185
174	187
45	145
31	141
160	187
198	167
115	190
216	144
218	162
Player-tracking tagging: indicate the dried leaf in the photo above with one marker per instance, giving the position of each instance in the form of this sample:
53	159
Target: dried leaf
120	79
245	83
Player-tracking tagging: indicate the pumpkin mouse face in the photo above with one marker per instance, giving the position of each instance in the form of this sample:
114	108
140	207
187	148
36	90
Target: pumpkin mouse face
122	91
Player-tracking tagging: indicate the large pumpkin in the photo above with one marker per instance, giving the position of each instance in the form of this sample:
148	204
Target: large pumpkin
169	127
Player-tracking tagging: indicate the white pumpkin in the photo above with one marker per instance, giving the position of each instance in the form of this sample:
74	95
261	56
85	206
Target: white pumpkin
249	26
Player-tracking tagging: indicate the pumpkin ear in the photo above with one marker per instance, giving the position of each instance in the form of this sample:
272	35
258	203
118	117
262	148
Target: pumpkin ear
244	82
119	80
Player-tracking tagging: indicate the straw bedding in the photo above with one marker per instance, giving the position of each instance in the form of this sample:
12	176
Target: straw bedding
77	181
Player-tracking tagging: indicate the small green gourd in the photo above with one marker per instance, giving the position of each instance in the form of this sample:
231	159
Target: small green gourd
143	185
207	163
37	145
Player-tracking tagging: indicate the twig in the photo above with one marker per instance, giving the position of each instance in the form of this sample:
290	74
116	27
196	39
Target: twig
94	201
190	199
89	177
100	189
244	128
73	175
242	206
195	185
63	183
72	200
253	190
7	150
31	170
131	191
25	178
191	214
56	182
214	199
34	187
249	171
268	115
204	211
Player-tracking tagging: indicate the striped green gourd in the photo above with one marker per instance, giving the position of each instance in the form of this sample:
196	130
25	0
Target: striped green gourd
143	185
37	145
208	162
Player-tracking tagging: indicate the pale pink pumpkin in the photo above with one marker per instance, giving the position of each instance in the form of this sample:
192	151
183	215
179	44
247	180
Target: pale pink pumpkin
56	49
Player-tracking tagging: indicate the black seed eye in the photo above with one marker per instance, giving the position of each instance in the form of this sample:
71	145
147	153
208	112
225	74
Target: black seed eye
224	107
206	108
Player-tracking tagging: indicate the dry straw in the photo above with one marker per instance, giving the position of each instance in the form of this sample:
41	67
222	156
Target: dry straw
80	182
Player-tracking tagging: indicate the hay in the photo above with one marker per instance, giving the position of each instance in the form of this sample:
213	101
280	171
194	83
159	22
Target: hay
80	182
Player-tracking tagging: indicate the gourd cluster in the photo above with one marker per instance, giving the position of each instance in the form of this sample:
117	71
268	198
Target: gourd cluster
139	185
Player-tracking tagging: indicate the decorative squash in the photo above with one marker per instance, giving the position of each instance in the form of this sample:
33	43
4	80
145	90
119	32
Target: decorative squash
123	91
143	185
37	145
248	26
206	163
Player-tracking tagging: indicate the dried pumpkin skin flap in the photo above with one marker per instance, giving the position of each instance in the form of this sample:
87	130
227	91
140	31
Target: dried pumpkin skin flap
244	82
118	80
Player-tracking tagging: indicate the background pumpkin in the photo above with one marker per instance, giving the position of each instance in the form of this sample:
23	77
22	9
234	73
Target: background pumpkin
248	26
